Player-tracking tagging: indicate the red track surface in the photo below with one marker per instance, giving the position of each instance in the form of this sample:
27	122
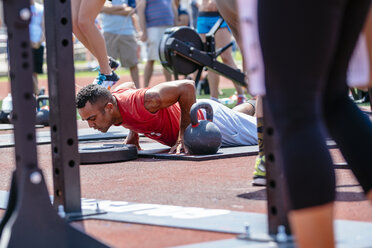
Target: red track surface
224	183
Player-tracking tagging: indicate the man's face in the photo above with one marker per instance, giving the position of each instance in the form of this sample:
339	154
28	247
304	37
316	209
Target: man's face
98	115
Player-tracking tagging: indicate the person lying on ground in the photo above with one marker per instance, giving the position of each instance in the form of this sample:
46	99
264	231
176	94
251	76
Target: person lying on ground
161	113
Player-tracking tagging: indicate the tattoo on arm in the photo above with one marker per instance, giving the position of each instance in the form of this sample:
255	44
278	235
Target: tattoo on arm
152	102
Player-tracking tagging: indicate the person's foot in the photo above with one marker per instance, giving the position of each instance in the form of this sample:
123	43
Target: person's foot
259	174
113	63
106	81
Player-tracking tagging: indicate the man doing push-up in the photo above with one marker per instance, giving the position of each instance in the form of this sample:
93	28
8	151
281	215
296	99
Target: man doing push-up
161	113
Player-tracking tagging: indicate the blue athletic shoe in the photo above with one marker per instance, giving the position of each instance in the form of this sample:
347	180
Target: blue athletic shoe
106	81
113	64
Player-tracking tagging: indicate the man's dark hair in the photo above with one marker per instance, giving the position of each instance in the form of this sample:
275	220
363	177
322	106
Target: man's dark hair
93	93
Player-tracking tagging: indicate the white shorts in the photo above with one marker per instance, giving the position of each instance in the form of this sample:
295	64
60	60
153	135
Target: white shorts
154	35
237	129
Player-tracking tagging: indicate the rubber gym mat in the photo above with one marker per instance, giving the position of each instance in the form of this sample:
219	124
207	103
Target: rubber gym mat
85	134
157	150
5	127
348	233
223	152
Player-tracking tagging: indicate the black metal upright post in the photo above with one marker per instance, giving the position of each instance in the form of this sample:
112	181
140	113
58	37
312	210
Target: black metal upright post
370	97
277	197
30	220
61	82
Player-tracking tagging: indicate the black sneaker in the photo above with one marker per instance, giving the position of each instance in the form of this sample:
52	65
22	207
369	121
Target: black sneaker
113	64
106	81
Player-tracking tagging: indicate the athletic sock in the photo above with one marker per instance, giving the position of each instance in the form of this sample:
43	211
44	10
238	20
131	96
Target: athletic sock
241	99
260	123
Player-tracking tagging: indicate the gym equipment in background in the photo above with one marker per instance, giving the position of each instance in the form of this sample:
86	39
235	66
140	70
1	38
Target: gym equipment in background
181	51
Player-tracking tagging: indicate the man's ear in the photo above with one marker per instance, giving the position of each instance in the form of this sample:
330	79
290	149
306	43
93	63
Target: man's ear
109	106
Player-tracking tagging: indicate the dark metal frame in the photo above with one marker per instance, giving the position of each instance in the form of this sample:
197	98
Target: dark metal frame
30	220
276	189
61	83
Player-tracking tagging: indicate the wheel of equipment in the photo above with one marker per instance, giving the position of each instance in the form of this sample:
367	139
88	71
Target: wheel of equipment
180	64
107	153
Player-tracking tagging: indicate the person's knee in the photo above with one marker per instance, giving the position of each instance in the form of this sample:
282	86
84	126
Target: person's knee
75	26
245	108
133	68
227	58
83	24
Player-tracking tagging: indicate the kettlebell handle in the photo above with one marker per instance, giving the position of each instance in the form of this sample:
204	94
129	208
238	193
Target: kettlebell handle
194	112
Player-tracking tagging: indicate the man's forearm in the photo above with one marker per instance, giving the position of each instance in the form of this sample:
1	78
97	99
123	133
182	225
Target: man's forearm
141	14
186	100
132	134
175	12
123	10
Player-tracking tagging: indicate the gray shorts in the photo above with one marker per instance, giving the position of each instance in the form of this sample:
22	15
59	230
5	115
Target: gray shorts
122	47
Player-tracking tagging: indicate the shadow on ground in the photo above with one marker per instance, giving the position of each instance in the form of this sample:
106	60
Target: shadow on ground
255	195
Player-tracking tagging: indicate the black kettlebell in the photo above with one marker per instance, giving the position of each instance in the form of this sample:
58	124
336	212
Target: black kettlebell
42	115
202	137
4	117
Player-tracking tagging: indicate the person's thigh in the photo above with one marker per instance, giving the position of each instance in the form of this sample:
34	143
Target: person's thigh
128	50
229	12
75	7
222	38
297	48
89	10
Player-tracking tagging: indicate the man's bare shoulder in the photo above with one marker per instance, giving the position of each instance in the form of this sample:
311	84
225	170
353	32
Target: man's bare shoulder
152	100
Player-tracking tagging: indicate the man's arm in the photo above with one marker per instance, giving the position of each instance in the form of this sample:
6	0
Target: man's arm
166	94
123	9
175	12
141	6
133	137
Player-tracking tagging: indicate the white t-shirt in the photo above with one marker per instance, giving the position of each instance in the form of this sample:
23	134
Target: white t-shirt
237	129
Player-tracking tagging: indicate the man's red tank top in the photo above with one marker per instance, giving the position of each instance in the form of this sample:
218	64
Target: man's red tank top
162	126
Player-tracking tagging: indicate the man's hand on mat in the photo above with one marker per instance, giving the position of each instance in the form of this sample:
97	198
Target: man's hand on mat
133	139
179	148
